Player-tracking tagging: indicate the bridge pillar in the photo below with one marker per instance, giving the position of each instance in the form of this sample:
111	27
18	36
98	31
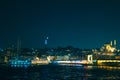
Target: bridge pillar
90	59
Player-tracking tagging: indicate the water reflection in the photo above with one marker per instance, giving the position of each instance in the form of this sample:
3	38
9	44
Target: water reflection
52	72
109	67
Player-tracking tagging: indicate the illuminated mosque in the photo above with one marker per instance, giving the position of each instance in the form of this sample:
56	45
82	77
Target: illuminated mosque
109	47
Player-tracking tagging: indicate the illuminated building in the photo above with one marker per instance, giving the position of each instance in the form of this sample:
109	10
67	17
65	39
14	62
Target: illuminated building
108	47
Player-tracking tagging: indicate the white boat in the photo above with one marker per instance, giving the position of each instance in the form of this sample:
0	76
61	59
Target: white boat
69	62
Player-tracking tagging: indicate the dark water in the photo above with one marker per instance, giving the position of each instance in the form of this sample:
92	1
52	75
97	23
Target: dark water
53	72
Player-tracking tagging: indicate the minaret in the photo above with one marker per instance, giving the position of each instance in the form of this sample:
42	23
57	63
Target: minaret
115	43
111	43
18	47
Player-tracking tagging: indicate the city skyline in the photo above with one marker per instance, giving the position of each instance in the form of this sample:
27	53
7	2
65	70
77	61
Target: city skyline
82	24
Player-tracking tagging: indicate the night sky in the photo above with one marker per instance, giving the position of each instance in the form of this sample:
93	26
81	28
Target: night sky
80	23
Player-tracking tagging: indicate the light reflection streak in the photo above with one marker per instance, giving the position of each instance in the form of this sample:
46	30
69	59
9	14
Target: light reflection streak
109	67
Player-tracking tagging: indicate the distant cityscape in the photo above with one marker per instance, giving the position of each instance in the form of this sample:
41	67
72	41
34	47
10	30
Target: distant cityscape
105	55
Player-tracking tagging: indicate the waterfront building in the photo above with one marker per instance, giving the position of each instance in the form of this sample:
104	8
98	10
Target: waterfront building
108	47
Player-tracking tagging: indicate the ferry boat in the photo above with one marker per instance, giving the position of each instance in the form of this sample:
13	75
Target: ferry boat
73	62
23	63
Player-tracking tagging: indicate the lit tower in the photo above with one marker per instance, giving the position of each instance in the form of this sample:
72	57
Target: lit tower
115	43
111	43
46	42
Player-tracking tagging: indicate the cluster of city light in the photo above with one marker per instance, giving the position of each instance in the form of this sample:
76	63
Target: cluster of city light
20	63
100	62
37	60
